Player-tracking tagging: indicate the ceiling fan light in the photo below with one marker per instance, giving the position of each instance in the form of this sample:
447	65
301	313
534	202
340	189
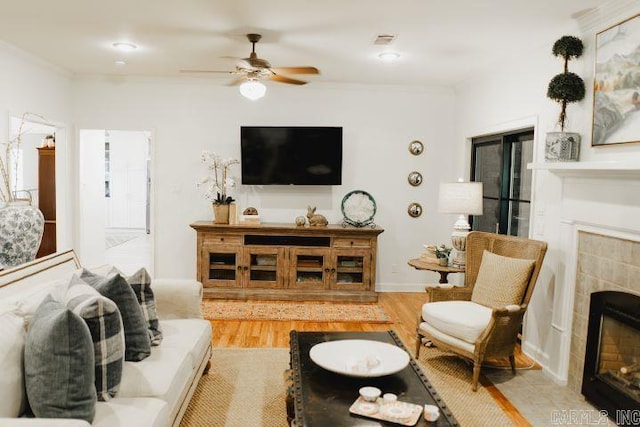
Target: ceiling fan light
125	46
253	89
389	56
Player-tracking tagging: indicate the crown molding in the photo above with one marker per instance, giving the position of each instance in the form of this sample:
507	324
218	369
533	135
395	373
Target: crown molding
607	15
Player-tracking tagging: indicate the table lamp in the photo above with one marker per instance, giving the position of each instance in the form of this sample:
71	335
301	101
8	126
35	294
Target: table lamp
463	198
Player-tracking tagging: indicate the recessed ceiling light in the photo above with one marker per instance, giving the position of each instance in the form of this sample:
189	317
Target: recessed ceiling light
389	56
127	47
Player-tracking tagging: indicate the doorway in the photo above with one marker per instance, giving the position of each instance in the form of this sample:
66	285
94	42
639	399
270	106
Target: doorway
500	162
115	199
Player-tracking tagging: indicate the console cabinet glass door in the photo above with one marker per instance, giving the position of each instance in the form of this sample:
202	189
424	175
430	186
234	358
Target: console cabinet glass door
309	268
221	266
352	269
262	267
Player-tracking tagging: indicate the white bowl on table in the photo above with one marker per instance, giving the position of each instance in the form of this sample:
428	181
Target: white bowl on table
359	358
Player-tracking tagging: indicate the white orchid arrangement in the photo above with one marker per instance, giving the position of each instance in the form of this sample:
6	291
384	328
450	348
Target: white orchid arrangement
217	182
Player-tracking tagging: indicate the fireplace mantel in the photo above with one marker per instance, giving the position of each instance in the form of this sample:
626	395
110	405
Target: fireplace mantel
601	169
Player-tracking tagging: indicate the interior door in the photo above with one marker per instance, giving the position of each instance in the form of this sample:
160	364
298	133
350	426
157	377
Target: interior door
92	203
128	154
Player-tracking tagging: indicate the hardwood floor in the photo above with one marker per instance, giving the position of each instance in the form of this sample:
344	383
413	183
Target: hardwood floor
402	308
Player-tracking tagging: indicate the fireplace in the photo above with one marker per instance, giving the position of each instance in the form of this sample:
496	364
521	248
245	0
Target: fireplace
611	377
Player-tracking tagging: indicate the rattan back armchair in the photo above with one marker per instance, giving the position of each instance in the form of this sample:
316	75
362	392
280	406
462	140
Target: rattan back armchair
499	336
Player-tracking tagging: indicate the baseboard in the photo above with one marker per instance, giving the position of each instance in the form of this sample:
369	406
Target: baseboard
536	353
400	287
555	378
542	358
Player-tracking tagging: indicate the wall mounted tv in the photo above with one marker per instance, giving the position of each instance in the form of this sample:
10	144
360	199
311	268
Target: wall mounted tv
286	155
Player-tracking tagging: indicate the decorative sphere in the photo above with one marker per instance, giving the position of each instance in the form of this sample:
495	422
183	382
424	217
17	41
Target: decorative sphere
300	221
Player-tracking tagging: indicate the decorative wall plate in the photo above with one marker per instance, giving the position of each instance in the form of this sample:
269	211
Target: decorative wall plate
415	178
414	210
358	208
416	148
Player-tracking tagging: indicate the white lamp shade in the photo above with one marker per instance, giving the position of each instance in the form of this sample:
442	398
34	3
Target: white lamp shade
253	89
460	198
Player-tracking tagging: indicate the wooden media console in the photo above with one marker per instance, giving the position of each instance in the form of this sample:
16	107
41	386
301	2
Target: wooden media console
284	262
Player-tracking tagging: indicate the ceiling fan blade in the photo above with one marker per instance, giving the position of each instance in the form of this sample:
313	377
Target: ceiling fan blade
236	82
295	70
283	79
208	71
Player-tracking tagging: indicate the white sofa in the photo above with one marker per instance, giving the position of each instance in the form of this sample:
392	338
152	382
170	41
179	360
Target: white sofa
153	392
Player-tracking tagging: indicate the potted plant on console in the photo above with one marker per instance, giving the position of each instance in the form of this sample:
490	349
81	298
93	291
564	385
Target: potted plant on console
216	184
565	88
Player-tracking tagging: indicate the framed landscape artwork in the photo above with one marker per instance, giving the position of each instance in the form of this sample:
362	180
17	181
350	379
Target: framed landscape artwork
616	86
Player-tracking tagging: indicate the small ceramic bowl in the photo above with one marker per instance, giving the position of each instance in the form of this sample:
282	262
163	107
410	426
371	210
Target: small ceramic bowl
370	394
389	398
431	412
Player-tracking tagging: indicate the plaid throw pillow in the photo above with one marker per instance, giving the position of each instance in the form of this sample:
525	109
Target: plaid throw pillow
140	282
105	325
115	287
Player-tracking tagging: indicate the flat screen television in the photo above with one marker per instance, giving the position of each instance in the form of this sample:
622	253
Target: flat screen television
291	155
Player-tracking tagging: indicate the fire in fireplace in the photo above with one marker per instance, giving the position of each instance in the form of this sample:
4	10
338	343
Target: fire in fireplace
611	378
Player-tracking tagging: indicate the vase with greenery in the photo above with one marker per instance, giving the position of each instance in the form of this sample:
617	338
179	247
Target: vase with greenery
565	88
217	183
442	253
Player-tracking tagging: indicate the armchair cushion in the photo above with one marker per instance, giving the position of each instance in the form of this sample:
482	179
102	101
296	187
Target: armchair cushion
501	280
461	319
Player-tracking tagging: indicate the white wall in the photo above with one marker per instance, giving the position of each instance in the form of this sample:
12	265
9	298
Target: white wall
29	85
190	115
513	96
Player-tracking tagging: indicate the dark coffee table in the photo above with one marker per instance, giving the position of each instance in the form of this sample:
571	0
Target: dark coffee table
320	398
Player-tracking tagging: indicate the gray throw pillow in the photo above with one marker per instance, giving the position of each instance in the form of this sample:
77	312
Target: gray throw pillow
116	288
140	282
105	325
58	364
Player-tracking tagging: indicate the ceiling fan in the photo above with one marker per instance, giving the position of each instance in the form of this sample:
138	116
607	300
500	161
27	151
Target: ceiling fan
254	69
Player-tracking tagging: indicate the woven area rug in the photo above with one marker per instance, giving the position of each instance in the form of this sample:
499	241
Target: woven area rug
245	387
307	311
451	376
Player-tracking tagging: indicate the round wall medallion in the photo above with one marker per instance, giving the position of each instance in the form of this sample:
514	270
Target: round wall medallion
416	148
415	178
415	210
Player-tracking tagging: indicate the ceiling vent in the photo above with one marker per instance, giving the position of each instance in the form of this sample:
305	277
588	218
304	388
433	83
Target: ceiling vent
384	39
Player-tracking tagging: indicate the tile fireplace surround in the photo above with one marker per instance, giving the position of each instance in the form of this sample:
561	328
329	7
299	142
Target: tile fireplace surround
605	263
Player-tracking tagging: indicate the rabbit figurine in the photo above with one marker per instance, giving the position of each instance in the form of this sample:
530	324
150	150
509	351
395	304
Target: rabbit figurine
314	218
